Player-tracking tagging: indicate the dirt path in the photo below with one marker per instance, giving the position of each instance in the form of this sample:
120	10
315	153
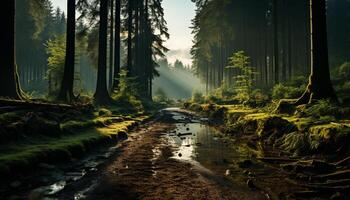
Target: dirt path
145	169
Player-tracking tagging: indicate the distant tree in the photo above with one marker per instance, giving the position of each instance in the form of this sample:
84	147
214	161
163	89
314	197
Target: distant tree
130	31
66	92
9	81
117	59
178	64
101	94
56	49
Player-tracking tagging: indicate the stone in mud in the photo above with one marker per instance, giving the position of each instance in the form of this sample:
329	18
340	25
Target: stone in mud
250	184
245	164
46	166
122	135
339	196
285	106
274	127
15	184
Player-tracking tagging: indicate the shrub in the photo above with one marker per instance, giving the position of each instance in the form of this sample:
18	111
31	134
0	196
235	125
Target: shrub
244	81
197	97
321	109
160	96
344	70
280	91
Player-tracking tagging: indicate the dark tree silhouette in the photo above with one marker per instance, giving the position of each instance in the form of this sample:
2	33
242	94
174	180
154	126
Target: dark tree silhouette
117	45
101	93
320	85
111	46
66	91
9	83
130	19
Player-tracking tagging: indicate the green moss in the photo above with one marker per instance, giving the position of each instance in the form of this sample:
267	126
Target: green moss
26	153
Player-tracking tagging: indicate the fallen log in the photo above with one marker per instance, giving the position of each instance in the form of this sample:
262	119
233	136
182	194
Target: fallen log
341	174
19	104
276	159
344	162
331	183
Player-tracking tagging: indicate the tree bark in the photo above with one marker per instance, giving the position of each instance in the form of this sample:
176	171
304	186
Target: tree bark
101	94
111	47
117	46
129	56
320	85
275	41
9	80
66	91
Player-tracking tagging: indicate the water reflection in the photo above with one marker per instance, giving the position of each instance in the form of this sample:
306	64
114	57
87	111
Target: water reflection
201	143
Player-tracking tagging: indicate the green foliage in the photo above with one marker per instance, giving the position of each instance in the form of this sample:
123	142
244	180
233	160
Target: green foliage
127	95
160	96
322	108
198	97
344	70
56	50
243	82
280	91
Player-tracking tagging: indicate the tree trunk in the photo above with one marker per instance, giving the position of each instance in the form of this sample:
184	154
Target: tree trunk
9	81
101	93
275	41
320	85
111	47
117	46
129	58
66	91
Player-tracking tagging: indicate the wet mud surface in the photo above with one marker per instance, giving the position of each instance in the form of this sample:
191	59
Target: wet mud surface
176	156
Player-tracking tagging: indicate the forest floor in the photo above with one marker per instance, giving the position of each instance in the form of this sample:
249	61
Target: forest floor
178	155
140	172
53	134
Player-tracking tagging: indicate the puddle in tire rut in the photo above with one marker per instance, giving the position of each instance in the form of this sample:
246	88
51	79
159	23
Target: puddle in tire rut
206	147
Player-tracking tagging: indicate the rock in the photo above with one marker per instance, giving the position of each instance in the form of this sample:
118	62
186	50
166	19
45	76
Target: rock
285	107
338	196
228	172
245	164
250	184
251	174
274	127
122	135
15	184
46	166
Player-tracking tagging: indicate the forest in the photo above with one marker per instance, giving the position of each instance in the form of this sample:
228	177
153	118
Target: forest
97	100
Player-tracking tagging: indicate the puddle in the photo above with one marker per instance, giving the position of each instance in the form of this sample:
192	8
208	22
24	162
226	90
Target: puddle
201	144
48	190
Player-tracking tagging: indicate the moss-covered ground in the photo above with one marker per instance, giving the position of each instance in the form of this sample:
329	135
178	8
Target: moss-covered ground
30	137
296	134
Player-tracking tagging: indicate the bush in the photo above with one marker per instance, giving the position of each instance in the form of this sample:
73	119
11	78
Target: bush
197	97
321	109
344	70
281	91
160	96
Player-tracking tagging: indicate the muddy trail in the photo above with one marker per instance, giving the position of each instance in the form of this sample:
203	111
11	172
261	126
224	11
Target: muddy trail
175	156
